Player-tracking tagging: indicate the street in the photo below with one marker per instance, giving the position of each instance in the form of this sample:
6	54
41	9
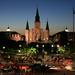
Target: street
43	73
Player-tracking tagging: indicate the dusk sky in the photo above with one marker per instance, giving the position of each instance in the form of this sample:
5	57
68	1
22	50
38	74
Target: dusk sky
15	13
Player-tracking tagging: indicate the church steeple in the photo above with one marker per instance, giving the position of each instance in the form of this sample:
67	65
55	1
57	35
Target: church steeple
37	17
27	26
47	26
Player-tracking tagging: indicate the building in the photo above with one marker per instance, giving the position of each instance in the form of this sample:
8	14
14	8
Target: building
10	35
37	34
64	37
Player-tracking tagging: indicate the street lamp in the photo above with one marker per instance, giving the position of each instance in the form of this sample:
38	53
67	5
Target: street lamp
20	45
43	46
3	47
37	50
52	48
43	52
37	45
19	48
19	51
58	46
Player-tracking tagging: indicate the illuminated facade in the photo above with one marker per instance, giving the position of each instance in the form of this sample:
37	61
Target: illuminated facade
37	34
10	35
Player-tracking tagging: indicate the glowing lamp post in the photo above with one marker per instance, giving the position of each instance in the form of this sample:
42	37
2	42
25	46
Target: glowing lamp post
57	48
19	51
52	48
20	46
43	46
43	51
3	47
37	49
37	45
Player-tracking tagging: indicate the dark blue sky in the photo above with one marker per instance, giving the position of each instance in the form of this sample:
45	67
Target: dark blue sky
15	13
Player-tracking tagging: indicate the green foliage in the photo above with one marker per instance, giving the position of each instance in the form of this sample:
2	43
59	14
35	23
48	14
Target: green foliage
28	51
61	50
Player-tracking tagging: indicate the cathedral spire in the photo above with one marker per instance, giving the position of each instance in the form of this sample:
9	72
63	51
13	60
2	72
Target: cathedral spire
47	26
37	17
27	26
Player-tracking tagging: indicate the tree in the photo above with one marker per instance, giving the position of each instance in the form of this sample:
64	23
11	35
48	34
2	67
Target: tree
60	50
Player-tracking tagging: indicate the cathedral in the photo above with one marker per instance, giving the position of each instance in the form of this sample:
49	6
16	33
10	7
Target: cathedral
37	34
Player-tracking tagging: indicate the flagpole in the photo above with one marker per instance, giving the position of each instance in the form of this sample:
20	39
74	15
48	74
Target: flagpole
73	27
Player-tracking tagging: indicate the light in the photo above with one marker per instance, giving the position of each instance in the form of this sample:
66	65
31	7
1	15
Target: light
58	46
55	68
42	45
52	45
47	38
68	67
66	30
30	39
8	29
37	45
20	45
19	51
46	65
8	56
3	47
24	67
44	39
